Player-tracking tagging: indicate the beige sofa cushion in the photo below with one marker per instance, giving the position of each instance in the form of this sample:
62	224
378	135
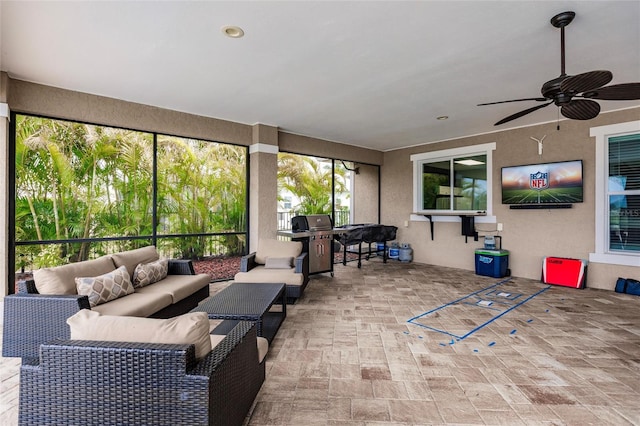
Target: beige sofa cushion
191	328
268	247
61	279
177	286
106	287
131	258
260	274
135	304
263	348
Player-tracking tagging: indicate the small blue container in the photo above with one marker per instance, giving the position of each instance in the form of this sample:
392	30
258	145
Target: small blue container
492	263
394	251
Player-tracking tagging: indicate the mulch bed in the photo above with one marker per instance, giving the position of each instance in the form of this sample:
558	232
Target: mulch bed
225	268
220	268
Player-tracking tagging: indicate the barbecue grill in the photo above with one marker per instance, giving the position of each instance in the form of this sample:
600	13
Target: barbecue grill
315	231
356	234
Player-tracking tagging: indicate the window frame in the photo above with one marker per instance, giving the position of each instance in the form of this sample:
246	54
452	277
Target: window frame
602	254
447	155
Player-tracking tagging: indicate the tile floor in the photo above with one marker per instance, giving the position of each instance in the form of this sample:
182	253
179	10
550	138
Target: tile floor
346	354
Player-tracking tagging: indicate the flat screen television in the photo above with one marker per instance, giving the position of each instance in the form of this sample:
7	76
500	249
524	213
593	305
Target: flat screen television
543	184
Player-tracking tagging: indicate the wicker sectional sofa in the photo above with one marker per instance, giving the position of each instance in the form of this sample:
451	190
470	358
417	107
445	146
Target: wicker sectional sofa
37	313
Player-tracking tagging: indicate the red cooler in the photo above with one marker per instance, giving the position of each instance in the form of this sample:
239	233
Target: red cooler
565	272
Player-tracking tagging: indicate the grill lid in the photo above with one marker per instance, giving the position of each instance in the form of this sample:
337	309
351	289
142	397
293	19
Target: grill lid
312	222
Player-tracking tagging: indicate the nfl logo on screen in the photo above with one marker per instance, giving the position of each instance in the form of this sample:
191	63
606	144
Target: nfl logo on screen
539	180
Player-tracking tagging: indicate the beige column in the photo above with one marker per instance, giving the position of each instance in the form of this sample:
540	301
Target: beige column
263	177
4	181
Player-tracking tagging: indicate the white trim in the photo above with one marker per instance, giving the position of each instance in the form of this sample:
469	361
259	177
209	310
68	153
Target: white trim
602	135
447	154
454	152
4	110
615	259
263	147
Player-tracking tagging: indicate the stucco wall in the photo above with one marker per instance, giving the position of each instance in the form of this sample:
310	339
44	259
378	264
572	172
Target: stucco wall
365	195
529	235
320	148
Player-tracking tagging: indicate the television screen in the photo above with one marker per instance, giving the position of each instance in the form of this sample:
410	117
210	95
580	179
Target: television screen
548	183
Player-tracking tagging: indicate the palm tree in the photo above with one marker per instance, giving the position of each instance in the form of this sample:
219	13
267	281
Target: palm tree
310	181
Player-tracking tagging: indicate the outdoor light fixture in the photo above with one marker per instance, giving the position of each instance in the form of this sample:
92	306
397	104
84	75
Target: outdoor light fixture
232	31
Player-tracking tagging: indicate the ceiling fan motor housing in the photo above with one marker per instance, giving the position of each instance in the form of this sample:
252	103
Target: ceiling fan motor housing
551	90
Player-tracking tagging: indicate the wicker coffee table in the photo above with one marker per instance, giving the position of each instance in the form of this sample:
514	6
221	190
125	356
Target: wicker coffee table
248	302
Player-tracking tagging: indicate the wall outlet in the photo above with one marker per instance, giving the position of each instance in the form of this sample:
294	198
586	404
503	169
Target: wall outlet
406	223
499	227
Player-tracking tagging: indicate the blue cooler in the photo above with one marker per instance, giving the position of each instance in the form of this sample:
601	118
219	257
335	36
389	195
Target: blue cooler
492	263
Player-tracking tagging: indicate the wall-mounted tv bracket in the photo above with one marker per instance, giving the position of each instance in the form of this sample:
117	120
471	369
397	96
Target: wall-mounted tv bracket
539	206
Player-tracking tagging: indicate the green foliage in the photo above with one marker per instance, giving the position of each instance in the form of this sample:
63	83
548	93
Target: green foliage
77	181
310	181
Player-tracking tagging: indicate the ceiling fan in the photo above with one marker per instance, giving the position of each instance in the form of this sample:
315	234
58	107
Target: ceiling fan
563	90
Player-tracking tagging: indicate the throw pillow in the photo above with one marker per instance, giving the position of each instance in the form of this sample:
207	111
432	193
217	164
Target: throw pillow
149	273
191	328
278	263
106	287
131	258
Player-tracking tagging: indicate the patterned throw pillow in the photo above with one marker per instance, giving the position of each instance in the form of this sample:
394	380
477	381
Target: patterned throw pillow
104	288
149	273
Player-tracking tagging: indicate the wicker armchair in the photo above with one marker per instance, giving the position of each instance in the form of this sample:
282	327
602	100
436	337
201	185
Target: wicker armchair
77	382
254	267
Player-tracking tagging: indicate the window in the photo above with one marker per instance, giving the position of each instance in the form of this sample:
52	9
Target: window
617	194
286	203
453	181
84	190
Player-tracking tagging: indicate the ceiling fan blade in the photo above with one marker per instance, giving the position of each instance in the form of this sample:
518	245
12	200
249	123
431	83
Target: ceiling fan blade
580	109
586	81
522	113
515	100
616	92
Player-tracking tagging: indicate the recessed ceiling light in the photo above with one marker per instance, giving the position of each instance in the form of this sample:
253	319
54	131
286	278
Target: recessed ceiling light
442	117
232	31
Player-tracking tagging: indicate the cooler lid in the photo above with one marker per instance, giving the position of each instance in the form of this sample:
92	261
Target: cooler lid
489	252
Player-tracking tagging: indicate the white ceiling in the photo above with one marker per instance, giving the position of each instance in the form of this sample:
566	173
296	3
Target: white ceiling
372	74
